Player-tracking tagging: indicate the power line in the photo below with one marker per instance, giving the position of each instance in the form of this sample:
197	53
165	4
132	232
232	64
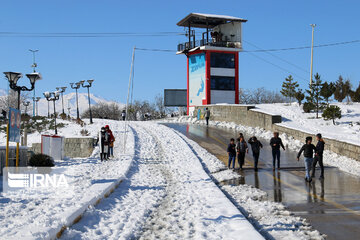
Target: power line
275	65
155	50
270	50
281	59
305	47
88	34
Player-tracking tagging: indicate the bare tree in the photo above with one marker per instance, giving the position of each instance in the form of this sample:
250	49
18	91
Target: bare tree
104	110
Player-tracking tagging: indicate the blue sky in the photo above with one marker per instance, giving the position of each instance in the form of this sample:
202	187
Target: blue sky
271	24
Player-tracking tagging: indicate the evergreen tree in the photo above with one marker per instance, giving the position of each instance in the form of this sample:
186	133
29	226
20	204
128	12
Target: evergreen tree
355	95
299	95
339	87
327	90
347	89
289	87
331	113
314	96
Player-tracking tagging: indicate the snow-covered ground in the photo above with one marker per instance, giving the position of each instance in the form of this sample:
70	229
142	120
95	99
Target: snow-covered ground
41	216
347	129
345	164
164	193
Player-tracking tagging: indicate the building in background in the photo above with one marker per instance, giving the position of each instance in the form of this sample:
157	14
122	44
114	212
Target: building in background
212	58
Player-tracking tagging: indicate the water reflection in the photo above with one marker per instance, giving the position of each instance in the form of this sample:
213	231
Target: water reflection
277	186
256	181
312	191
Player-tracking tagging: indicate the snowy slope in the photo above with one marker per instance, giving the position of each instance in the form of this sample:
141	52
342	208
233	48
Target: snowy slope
347	128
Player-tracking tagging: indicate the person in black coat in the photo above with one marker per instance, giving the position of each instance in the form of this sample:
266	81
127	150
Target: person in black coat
319	156
275	144
231	150
309	149
255	147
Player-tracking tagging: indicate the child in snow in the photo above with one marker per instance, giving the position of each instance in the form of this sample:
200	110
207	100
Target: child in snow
319	156
103	144
231	152
111	141
242	149
275	144
255	147
309	149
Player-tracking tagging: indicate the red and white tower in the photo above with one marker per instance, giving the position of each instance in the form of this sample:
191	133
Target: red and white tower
212	60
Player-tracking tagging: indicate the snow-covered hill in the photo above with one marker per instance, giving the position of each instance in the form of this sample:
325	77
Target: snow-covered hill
69	102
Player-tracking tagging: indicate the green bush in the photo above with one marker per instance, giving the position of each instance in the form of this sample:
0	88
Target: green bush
331	113
308	107
41	160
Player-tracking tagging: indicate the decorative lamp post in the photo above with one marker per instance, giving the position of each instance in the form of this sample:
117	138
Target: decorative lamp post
76	86
88	86
34	65
26	104
53	96
13	78
62	90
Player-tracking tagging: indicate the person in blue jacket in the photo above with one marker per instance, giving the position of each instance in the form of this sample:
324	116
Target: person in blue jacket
309	149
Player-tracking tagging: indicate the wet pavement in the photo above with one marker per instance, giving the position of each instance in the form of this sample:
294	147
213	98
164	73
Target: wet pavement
332	205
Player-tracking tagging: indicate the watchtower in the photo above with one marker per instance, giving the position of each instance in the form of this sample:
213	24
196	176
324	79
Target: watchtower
212	60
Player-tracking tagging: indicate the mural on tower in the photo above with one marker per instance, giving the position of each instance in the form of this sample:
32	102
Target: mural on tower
196	79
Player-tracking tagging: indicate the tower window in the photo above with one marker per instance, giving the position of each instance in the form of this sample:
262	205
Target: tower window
222	83
222	60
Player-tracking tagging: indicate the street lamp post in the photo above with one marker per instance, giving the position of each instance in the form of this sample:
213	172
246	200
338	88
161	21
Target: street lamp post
76	86
26	104
88	86
36	100
53	96
13	78
312	52
62	90
34	65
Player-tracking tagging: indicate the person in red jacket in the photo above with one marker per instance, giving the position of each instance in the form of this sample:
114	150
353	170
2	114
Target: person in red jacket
111	141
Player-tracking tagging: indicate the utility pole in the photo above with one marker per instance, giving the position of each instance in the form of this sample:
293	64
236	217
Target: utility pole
312	53
34	65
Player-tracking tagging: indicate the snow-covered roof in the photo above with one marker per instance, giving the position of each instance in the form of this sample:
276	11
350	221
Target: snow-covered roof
201	20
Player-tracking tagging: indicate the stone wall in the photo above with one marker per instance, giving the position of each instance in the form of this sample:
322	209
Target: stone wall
248	116
342	148
79	147
74	147
23	156
240	114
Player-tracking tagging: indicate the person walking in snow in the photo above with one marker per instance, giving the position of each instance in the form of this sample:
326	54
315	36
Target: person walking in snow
319	156
231	150
103	144
309	149
275	144
255	147
207	116
123	115
242	149
111	141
